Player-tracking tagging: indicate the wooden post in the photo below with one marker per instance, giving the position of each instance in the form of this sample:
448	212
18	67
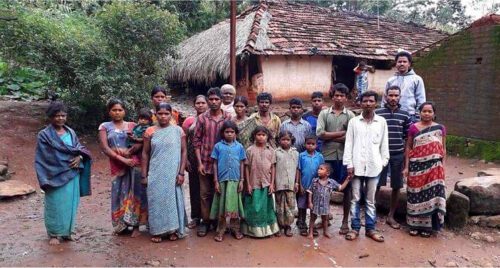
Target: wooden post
232	45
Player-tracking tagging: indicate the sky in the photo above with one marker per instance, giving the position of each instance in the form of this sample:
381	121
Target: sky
478	8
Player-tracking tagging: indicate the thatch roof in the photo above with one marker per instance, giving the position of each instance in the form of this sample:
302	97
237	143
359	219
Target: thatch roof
280	28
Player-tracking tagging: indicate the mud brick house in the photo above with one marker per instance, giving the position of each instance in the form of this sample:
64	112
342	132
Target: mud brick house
462	76
291	49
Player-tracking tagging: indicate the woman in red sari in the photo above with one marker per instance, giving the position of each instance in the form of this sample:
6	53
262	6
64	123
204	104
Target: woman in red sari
424	157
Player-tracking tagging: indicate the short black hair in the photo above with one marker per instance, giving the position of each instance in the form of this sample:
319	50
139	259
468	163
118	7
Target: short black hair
260	129
369	93
284	133
145	113
393	88
113	102
200	96
316	94
295	101
163	105
404	54
265	96
228	124
340	88
241	99
214	91
54	108
157	89
427	103
328	167
311	137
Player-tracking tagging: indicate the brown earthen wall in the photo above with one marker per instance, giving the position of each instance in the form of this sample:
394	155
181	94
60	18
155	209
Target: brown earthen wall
462	77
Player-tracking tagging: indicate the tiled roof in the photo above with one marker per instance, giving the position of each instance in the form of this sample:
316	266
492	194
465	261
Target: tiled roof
282	28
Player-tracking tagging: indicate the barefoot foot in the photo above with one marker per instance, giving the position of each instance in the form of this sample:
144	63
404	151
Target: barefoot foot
327	235
54	241
135	233
310	236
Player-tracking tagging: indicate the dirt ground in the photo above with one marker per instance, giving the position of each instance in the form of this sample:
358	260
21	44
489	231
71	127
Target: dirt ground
23	239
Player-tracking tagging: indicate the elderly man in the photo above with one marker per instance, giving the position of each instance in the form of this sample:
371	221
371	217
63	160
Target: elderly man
228	94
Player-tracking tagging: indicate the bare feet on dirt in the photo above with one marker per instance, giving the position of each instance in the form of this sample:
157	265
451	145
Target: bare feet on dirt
327	234
54	241
135	233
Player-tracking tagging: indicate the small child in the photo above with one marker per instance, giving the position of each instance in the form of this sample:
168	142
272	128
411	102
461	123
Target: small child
286	181
229	156
309	162
319	197
258	203
144	121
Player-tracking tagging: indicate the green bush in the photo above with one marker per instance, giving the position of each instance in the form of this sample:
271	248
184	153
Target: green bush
473	148
24	83
114	54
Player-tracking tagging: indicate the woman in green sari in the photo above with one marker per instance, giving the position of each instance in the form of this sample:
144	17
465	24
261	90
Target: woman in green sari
62	165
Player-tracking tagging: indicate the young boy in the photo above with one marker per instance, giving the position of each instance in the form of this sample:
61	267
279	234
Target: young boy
312	116
309	162
299	127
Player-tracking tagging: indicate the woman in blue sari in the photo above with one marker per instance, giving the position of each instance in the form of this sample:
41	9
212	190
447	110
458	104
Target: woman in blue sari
163	163
62	166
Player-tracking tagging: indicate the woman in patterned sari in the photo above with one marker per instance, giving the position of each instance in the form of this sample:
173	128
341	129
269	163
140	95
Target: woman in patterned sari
163	162
128	195
425	155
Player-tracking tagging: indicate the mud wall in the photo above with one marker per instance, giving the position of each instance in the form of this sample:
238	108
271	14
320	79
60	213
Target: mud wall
462	76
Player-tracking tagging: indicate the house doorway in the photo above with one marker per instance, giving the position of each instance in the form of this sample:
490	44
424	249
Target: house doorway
342	71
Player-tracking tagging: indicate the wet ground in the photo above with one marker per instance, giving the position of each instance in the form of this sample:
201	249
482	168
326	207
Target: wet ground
23	240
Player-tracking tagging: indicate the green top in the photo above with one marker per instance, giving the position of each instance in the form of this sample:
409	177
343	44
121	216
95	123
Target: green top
328	121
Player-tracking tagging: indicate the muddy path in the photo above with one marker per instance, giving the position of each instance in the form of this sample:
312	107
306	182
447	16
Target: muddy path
23	240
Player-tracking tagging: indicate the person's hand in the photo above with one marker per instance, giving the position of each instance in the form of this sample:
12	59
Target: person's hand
122	152
240	186
201	169
296	188
301	190
180	179
350	172
217	187
127	161
75	162
310	205
271	189
188	166
405	173
249	189
144	181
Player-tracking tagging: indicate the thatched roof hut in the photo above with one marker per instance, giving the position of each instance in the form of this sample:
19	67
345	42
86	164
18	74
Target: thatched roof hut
277	32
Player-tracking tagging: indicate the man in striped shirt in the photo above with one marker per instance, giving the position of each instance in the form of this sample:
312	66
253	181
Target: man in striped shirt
206	135
398	122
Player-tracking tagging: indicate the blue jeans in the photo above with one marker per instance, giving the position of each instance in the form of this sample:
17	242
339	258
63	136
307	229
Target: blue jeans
370	210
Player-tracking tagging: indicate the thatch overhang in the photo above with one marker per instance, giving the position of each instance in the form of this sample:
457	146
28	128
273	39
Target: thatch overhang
280	28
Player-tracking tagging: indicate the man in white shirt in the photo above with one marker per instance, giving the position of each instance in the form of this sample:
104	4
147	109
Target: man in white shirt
366	152
228	95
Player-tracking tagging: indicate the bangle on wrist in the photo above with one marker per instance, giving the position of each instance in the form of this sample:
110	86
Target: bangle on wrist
180	174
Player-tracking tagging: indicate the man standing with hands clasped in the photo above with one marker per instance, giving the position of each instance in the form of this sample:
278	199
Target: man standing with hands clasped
366	152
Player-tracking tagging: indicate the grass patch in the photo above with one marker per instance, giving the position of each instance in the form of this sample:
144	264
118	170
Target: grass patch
473	148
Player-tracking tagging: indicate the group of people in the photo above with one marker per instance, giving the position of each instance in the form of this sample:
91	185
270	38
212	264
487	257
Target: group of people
252	174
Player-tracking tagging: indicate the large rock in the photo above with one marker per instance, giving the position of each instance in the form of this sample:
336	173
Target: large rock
383	201
457	210
489	172
3	170
483	193
13	188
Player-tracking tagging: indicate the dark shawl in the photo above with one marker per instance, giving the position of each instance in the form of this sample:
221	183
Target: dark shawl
52	159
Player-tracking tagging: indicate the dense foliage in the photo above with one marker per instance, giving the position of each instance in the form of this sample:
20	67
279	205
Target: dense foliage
115	52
